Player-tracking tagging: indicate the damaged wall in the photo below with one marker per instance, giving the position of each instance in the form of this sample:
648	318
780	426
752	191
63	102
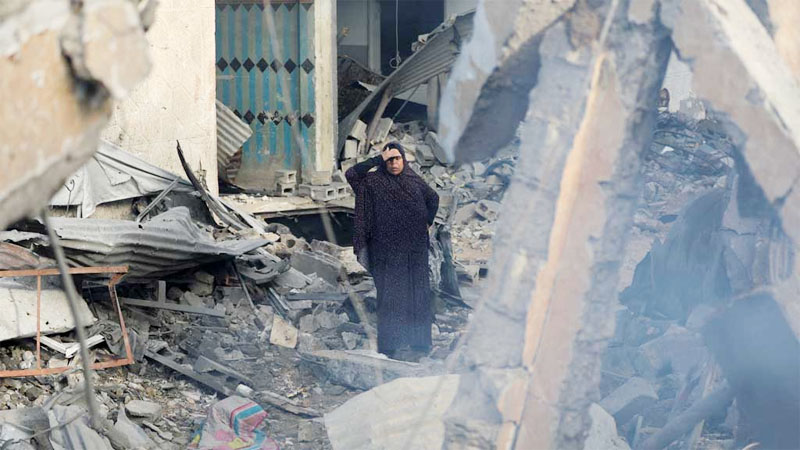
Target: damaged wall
176	101
69	98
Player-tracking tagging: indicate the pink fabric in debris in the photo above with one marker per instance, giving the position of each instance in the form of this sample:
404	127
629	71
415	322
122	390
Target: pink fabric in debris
232	425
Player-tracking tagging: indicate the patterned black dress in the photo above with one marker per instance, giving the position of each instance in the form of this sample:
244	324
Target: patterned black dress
392	217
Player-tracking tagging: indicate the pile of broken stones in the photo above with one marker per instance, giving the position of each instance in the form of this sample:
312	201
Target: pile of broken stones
294	333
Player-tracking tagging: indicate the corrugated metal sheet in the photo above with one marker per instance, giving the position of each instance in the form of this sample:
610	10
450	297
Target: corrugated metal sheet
232	133
436	56
16	257
168	243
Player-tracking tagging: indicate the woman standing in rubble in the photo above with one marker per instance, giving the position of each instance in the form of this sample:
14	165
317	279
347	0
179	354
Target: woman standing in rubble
394	208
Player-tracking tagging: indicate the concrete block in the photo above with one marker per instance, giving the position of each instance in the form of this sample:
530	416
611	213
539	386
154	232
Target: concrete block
324	266
318	193
425	156
286	176
141	408
351	148
285	190
292	279
283	333
342	190
359	131
629	399
351	340
603	432
317	178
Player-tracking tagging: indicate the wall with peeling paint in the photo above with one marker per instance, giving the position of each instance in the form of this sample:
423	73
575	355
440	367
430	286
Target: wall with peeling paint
176	101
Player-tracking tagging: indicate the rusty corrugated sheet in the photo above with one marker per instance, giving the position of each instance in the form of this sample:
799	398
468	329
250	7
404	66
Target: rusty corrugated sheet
168	243
14	257
437	55
232	132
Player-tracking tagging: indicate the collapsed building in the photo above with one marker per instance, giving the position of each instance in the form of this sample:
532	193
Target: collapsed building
613	259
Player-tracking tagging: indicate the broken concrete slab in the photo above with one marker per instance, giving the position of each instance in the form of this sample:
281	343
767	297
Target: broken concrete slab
127	435
382	130
603	431
292	279
19	317
359	131
145	409
328	320
324	266
629	399
361	369
402	414
432	139
283	333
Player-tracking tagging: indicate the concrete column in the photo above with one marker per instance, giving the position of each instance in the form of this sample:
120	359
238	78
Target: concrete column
325	85
374	35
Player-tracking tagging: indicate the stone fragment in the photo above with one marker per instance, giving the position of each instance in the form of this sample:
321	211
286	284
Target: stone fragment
141	408
465	214
305	432
192	299
603	431
438	151
292	279
324	266
308	324
174	293
351	340
283	333
629	399
327	320
127	435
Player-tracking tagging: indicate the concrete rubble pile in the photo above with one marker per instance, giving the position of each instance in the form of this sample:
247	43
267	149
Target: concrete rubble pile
214	312
662	368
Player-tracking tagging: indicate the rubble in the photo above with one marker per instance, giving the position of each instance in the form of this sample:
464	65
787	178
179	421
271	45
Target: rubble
603	432
361	370
401	414
629	399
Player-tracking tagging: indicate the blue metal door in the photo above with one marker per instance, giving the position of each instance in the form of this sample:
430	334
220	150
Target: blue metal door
271	87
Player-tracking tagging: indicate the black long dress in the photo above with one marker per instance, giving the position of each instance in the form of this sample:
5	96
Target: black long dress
392	217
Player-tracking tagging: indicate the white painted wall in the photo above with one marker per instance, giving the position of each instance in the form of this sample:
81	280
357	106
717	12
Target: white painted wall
176	101
452	7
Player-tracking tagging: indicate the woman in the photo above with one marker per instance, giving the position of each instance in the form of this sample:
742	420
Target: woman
394	208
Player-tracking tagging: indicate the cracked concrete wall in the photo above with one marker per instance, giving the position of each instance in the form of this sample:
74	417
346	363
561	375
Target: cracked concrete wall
176	101
61	66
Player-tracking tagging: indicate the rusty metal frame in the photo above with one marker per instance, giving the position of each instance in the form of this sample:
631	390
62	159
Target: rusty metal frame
118	273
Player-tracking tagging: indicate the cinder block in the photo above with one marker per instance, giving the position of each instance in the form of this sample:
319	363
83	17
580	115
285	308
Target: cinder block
286	176
285	190
342	189
359	131
318	193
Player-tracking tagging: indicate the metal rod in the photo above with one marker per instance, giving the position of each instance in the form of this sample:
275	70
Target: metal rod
158	199
38	321
72	297
71	271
